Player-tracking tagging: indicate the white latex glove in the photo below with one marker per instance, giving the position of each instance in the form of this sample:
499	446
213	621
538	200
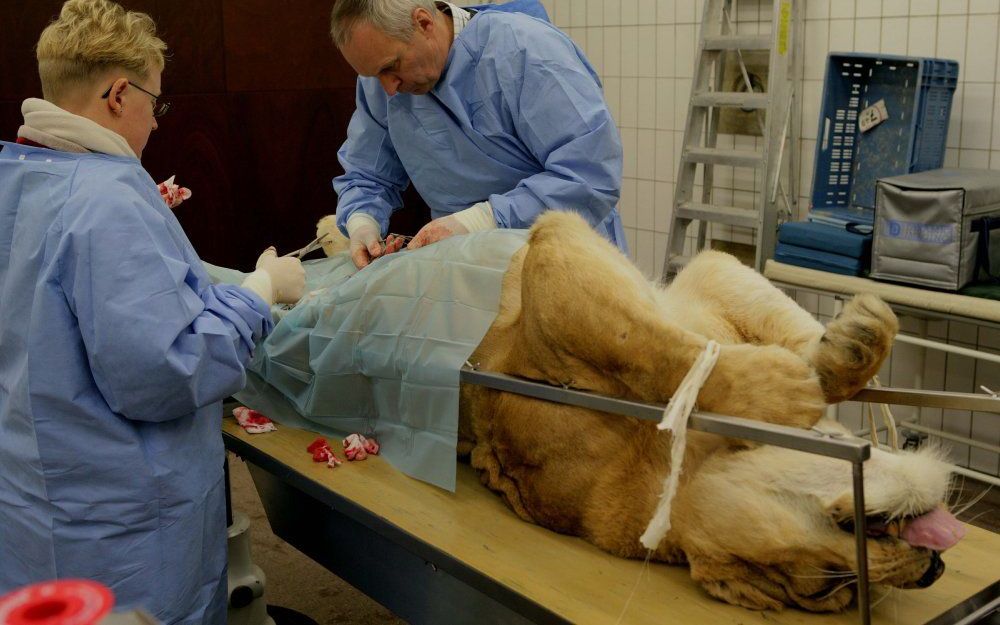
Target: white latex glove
366	239
476	218
436	230
278	279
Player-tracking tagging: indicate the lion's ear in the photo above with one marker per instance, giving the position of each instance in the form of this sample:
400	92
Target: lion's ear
840	508
730	582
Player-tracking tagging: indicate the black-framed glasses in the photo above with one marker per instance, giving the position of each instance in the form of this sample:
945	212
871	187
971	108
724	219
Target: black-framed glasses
159	108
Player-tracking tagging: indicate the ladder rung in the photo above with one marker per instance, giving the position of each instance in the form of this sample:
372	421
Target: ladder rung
716	156
729	215
730	98
738	42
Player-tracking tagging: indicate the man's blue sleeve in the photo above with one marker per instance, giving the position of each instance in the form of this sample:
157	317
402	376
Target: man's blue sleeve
373	179
559	112
161	341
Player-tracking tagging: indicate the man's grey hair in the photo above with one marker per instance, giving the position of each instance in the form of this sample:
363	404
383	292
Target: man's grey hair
393	17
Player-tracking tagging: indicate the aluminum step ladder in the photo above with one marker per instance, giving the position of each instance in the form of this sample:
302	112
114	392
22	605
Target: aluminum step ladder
776	109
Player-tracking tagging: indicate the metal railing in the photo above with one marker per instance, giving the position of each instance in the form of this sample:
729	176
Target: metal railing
853	450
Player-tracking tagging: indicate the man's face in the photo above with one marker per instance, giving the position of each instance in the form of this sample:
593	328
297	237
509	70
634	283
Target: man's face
412	66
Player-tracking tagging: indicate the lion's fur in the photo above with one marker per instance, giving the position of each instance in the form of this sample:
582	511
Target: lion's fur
754	524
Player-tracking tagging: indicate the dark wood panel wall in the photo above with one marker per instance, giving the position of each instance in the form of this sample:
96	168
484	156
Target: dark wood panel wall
260	99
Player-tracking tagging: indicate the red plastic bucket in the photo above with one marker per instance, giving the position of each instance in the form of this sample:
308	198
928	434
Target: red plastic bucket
60	602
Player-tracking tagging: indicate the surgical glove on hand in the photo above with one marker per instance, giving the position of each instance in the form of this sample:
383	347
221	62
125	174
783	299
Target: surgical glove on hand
334	241
278	279
366	240
436	230
288	278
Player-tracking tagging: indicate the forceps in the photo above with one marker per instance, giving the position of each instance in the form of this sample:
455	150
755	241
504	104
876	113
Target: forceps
315	244
406	239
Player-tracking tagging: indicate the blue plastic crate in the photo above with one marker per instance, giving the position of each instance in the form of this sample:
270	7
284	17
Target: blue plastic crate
917	94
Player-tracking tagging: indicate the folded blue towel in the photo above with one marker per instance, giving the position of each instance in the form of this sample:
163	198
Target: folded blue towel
843	215
817	259
833	239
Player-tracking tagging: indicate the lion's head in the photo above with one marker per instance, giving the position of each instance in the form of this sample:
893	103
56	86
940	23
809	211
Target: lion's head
768	527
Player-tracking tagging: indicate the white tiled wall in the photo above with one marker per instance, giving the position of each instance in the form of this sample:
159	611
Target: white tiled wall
644	53
910	367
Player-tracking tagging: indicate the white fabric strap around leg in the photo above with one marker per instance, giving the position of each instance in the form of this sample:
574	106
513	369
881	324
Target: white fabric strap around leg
675	419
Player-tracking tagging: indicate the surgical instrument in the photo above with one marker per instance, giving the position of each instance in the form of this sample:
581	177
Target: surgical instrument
406	239
315	244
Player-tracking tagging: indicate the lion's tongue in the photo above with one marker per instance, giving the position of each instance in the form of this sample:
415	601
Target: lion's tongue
937	530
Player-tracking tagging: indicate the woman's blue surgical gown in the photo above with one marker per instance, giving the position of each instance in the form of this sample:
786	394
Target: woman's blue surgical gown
518	118
115	354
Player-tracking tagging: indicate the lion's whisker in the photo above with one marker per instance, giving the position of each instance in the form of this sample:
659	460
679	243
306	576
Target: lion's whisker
822	570
874	571
836	588
961	506
888	591
955	490
973	502
978	515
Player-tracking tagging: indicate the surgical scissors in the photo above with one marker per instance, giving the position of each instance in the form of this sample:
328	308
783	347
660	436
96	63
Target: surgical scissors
315	244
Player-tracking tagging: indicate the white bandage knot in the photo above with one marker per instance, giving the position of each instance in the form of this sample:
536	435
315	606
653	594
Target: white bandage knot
675	419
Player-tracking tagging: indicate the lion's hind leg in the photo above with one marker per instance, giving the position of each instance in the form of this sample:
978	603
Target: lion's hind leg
589	319
845	354
760	312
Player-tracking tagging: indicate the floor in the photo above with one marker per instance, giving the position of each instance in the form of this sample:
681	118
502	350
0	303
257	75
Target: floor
294	581
985	513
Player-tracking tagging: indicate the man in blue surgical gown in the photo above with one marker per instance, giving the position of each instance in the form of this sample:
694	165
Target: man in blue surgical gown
493	115
115	348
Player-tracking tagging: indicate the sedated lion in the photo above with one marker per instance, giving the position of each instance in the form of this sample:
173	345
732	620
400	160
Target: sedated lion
759	526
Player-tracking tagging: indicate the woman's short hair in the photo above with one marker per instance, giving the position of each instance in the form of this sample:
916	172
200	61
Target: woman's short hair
92	36
393	17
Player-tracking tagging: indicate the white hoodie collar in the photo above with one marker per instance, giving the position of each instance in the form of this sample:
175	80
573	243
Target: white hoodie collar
56	128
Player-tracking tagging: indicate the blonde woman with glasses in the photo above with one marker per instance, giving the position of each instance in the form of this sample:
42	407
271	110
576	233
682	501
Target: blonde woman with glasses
115	348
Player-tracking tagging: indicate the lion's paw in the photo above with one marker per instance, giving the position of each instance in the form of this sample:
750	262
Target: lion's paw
854	346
